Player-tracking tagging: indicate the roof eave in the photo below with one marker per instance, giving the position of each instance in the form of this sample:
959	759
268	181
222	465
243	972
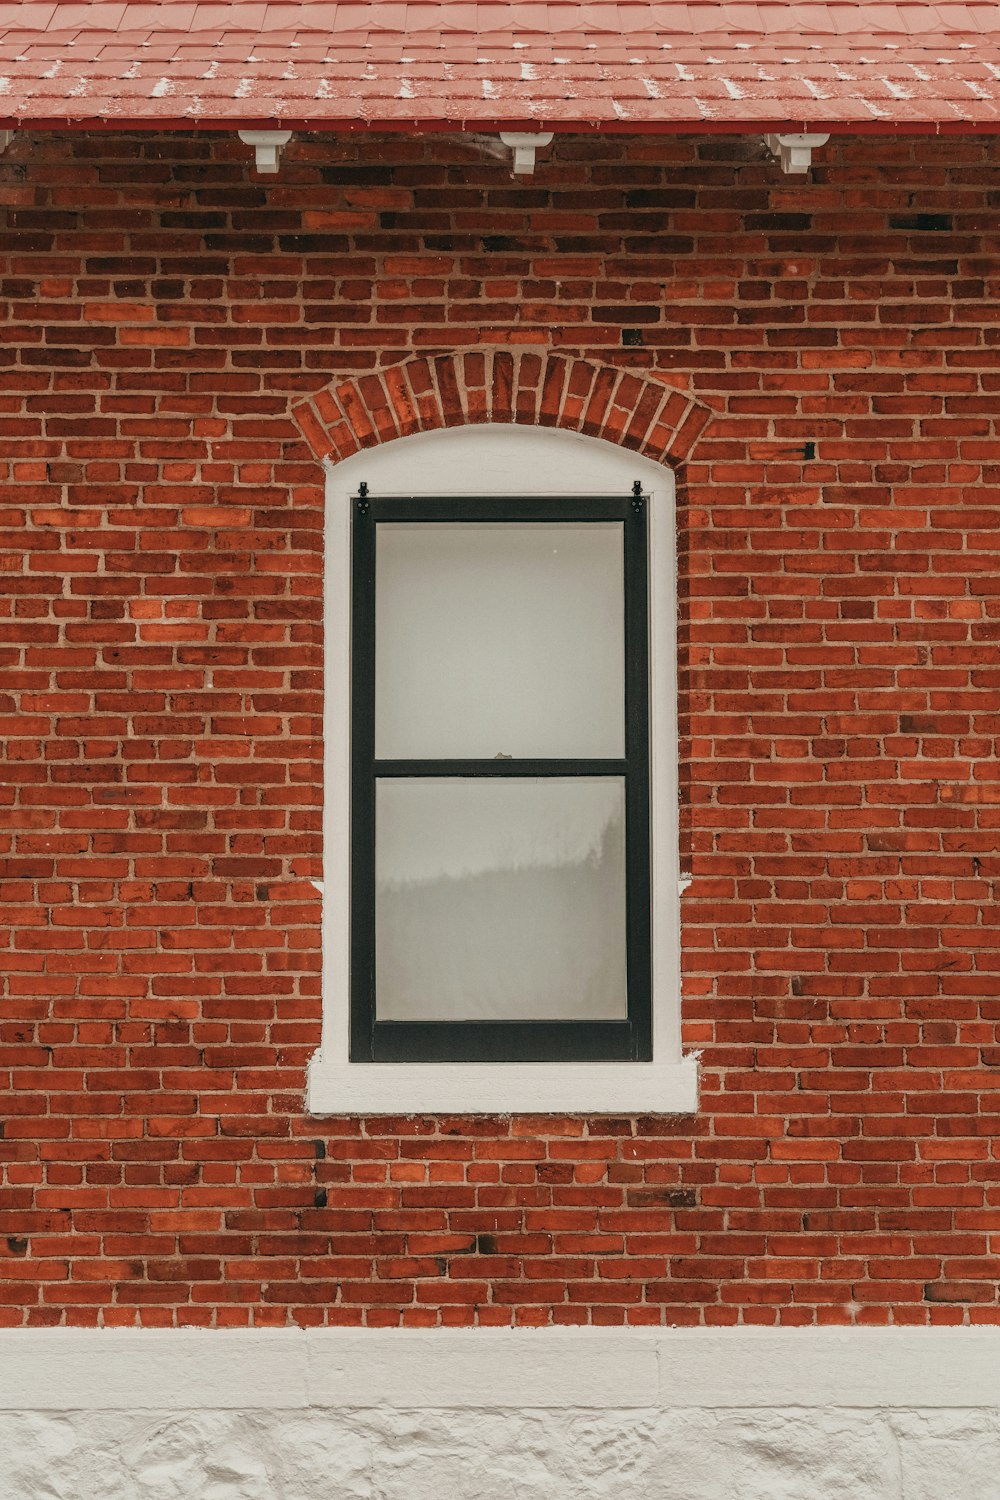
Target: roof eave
863	124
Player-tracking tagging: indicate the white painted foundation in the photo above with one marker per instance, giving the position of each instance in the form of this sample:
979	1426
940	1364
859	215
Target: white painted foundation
737	1414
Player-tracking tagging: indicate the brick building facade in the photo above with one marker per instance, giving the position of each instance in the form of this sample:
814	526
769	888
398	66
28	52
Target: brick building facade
184	344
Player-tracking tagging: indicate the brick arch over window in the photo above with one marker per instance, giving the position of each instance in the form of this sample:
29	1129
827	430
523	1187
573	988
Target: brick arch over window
503	385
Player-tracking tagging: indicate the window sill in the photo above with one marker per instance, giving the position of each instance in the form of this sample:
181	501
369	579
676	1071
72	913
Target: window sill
619	1088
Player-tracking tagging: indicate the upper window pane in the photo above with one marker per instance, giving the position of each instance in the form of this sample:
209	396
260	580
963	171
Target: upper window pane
499	639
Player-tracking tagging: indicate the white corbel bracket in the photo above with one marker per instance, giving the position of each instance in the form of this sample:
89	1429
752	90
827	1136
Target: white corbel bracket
524	147
795	151
6	136
267	145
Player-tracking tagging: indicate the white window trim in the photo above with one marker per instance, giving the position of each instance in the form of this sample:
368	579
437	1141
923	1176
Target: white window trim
501	460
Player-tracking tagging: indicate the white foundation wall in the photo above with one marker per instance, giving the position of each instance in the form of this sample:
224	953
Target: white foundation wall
741	1414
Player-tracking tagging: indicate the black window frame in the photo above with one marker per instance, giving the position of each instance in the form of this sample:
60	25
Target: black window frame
373	1040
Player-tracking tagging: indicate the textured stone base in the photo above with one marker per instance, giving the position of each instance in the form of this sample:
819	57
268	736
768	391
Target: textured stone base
689	1454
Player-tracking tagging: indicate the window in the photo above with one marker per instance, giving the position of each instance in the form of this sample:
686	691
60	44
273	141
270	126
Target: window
500	872
500	784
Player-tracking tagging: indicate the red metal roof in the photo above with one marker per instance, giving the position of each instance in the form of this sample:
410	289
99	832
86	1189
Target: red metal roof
454	64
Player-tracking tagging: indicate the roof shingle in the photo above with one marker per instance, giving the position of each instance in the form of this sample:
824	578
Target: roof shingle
455	64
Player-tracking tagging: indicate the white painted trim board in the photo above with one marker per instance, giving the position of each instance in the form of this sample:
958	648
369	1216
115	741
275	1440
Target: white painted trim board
69	1369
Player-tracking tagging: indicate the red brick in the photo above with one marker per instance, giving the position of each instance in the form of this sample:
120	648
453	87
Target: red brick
160	521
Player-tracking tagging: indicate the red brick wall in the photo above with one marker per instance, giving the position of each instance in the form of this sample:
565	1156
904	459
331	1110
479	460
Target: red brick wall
164	313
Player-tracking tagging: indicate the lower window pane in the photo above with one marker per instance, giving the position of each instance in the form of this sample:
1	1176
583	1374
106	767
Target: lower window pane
500	899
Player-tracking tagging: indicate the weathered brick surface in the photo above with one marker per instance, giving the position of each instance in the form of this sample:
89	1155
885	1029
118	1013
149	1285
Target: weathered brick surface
178	342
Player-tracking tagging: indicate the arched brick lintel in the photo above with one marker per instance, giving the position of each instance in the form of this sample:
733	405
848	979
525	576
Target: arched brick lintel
536	388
